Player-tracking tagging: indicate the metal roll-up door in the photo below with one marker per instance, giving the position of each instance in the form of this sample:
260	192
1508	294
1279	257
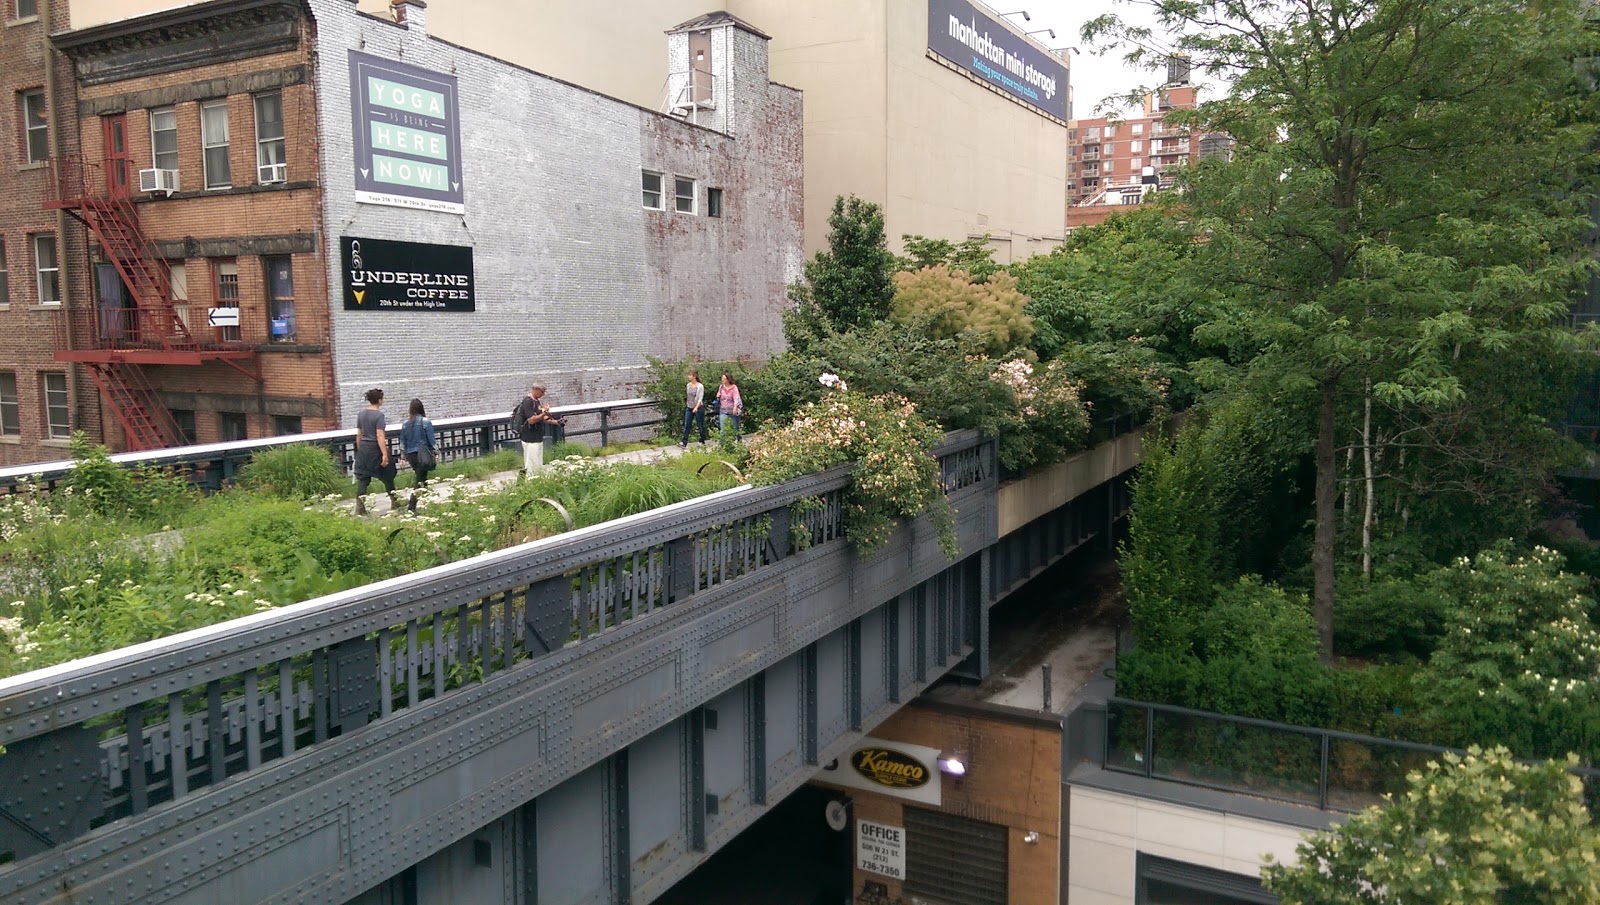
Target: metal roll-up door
955	860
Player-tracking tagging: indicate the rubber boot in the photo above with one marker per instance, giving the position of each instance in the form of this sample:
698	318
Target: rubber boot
361	505
411	505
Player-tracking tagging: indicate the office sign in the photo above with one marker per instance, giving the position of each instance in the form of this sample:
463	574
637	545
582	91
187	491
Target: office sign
982	47
890	768
380	275
881	849
407	135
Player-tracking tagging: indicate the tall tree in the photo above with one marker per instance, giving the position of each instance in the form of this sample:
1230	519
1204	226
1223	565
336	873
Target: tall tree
850	283
1409	187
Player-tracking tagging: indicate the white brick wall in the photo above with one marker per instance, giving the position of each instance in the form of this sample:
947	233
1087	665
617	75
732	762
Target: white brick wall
576	283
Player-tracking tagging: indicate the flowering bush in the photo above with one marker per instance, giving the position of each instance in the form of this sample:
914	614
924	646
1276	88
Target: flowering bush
1520	662
1050	417
890	445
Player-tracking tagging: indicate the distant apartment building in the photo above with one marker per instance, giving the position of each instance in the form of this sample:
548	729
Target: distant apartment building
1115	162
949	114
279	204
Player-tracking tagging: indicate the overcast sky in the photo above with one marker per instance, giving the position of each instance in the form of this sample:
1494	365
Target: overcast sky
1094	78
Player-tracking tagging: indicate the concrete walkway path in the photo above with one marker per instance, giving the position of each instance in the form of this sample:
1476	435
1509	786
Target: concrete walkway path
443	489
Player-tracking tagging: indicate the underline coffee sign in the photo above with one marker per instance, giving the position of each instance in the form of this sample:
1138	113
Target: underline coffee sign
380	275
993	54
407	135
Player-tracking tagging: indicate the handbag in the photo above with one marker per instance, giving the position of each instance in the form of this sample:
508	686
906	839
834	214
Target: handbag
426	458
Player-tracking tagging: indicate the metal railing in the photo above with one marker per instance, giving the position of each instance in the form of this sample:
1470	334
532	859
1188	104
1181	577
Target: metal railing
157	722
1320	768
213	465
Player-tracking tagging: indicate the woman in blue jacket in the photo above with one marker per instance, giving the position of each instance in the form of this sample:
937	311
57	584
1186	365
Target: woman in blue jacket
420	444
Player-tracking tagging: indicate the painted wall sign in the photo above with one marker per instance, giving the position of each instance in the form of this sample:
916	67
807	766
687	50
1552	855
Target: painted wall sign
407	126
881	849
890	768
380	275
981	46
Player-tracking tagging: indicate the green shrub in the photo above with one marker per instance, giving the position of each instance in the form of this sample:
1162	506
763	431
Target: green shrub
296	472
265	537
1389	618
98	483
1258	622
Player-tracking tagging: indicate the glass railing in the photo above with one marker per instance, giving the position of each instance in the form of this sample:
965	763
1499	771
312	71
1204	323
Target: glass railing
1320	768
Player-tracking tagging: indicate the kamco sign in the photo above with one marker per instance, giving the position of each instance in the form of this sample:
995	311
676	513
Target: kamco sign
888	767
891	768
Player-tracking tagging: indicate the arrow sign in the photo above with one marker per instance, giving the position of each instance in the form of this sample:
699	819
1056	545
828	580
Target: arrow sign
222	317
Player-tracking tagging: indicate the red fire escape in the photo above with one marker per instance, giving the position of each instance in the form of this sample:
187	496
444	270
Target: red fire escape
115	341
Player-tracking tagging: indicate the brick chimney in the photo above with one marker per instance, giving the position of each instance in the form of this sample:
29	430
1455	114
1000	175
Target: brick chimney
413	14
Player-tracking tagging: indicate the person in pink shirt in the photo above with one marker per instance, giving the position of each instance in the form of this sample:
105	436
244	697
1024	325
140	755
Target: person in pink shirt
730	407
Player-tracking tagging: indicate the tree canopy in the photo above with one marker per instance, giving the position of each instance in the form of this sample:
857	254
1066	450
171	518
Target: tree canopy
1479	828
1407	203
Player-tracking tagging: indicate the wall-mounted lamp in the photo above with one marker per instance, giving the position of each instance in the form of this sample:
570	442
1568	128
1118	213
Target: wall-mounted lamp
1030	837
953	764
1021	12
1038	31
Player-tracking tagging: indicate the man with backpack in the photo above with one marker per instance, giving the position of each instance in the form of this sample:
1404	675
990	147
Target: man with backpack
529	418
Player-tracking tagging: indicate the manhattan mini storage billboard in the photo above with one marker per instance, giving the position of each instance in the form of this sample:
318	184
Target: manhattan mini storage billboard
381	275
971	41
407	135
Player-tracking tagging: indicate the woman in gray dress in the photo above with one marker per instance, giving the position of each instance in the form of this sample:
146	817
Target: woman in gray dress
372	452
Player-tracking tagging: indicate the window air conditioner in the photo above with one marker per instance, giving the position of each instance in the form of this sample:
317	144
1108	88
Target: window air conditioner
164	181
272	172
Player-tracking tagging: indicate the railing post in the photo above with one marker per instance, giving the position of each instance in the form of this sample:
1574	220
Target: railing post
1149	738
605	427
1322	775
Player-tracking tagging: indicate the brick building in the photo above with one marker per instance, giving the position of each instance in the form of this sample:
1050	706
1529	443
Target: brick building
41	256
1114	163
991	834
284	203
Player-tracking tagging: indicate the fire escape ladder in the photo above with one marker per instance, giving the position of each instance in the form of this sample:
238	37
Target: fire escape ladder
146	421
115	223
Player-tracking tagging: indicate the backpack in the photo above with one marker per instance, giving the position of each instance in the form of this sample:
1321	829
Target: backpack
515	422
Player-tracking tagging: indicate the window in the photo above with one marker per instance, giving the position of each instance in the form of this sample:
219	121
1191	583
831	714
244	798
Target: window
1110	165
10	424
179	277
1163	881
5	275
1136	147
48	269
37	125
683	195
58	423
214	136
225	290
232	426
27	9
271	165
1137	163
652	191
1138	129
1131	198
713	202
280	297
164	138
185	420
284	425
